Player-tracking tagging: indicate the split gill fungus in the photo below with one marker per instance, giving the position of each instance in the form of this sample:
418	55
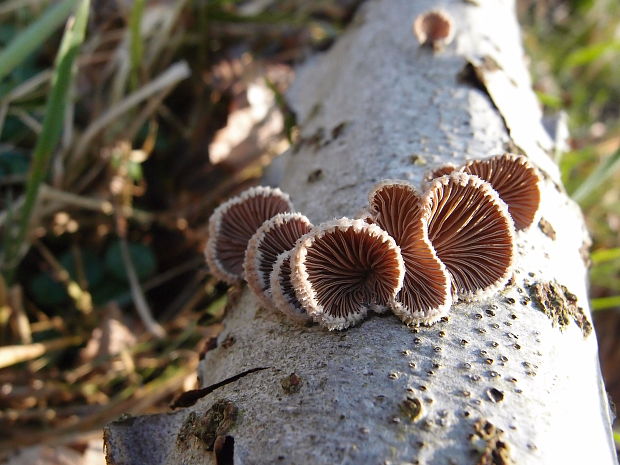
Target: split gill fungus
472	233
516	181
344	268
275	236
426	293
232	225
282	290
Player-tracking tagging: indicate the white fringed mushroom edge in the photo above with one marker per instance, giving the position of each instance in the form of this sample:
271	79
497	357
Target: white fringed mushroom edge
282	302
303	287
215	266
463	179
253	255
407	315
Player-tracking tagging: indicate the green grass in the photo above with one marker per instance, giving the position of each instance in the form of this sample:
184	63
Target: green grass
34	36
51	131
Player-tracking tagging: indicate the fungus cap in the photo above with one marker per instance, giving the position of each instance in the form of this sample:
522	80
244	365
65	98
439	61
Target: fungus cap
442	170
426	293
472	233
282	291
433	28
233	223
276	235
343	268
516	181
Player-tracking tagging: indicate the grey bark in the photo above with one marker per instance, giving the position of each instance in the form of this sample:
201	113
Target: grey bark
378	106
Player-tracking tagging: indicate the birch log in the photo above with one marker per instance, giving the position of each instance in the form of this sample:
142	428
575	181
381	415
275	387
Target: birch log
511	379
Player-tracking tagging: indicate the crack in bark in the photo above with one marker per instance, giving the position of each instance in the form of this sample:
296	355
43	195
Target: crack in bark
189	398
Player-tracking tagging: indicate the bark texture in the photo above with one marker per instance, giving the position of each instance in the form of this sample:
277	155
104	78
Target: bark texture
377	106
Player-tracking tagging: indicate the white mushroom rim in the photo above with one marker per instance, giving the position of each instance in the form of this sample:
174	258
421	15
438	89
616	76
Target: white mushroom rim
216	267
256	257
302	282
432	312
516	181
289	305
504	249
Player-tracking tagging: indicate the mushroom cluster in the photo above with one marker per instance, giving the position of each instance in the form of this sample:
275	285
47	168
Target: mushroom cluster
411	252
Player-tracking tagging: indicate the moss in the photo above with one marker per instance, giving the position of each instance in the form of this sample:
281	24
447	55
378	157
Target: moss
217	421
489	442
560	305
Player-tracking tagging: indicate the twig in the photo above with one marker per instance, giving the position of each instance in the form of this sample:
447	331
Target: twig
139	300
10	355
170	77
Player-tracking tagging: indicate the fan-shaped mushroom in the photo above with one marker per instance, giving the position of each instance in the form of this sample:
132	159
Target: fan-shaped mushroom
515	180
425	296
343	268
471	231
233	223
282	290
275	236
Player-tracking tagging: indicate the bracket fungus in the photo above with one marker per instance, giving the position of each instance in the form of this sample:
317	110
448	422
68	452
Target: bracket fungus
275	236
233	223
472	233
516	181
343	268
282	290
425	296
433	28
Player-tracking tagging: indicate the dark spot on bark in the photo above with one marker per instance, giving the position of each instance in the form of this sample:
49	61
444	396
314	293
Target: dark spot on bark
209	344
509	300
224	450
469	77
584	253
488	441
315	175
416	159
291	383
217	421
411	409
547	229
489	64
338	130
228	342
490	312
495	395
560	305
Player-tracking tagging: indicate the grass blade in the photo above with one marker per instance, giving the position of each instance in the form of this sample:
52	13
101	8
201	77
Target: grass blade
34	36
135	41
602	303
596	178
52	127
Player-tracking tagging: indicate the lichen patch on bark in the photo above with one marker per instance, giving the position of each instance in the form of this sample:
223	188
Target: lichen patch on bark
560	305
217	421
490	443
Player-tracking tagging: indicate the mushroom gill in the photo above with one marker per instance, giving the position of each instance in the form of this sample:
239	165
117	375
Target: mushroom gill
425	296
515	180
343	268
233	223
282	290
472	233
275	236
